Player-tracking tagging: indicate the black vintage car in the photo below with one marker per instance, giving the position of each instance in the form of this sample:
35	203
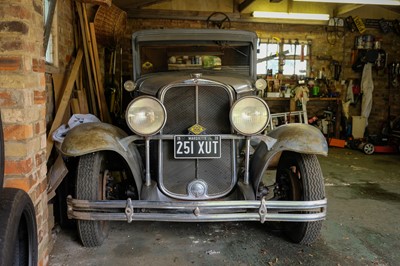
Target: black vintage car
200	148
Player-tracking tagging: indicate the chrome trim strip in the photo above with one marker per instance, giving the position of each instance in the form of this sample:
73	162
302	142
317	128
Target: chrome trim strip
247	162
197	103
253	210
148	176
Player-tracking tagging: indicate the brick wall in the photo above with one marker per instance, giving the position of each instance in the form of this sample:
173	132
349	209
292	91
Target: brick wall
23	100
339	51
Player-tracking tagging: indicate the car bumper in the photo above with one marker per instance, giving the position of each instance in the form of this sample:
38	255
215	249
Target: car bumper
191	211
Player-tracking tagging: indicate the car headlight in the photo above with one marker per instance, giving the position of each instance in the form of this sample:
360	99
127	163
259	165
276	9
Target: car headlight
129	85
146	116
249	115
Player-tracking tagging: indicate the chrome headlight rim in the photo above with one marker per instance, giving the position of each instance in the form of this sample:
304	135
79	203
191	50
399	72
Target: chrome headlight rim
159	128
267	122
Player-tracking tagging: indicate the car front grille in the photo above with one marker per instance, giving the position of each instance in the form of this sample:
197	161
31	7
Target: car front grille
213	104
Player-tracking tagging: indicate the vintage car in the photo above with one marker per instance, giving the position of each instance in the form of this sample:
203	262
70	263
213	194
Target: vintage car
200	148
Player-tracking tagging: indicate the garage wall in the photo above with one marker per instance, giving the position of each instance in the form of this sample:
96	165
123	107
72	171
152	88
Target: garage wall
23	105
23	102
340	51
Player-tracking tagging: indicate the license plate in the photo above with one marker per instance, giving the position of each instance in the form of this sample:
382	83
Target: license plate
197	147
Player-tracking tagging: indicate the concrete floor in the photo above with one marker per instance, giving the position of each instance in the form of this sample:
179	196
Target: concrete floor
362	228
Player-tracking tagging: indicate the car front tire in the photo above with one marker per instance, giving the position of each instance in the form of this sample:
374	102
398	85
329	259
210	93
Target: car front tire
90	186
300	178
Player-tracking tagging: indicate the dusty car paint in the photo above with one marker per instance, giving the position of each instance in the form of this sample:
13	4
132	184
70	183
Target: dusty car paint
291	137
93	137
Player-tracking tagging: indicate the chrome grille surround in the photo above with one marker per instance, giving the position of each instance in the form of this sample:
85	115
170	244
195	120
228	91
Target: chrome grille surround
204	102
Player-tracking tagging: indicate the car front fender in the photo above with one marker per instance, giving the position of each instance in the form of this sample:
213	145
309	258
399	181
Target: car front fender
294	137
93	137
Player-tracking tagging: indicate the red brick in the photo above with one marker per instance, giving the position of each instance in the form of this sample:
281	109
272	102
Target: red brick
14	27
6	99
17	132
10	63
16	11
14	45
39	127
40	158
38	65
20	167
40	97
42	81
23	183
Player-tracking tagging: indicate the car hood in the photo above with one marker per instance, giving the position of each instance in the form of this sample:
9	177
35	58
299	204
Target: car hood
150	84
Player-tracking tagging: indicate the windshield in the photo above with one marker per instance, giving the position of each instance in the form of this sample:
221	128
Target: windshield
219	56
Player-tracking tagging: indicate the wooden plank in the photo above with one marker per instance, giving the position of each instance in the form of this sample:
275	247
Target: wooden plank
138	4
75	106
56	175
180	14
58	81
87	60
83	106
245	4
92	61
64	102
344	9
101	95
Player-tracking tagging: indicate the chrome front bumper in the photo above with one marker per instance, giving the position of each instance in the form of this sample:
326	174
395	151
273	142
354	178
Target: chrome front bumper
204	211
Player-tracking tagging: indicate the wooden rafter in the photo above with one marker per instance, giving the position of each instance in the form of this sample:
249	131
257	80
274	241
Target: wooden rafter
137	4
343	9
245	4
175	14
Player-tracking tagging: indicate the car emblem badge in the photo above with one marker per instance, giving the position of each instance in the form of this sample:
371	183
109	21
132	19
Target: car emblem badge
197	188
197	130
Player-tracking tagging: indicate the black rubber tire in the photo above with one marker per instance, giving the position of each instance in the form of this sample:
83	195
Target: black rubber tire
89	186
18	231
308	185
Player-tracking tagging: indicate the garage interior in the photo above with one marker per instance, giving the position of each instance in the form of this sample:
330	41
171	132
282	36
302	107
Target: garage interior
61	58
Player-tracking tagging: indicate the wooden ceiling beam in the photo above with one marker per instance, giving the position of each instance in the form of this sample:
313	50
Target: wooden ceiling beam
137	4
175	14
343	9
245	4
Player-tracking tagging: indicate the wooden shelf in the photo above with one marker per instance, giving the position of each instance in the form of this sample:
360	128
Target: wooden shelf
277	99
184	66
324	99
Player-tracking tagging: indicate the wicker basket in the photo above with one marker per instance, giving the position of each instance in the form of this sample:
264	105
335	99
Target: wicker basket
110	24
